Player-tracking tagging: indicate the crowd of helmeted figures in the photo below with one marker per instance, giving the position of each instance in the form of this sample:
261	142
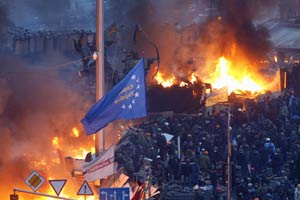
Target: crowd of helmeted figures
265	150
25	42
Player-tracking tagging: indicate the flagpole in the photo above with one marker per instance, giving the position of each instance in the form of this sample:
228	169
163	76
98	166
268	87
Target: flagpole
228	156
100	78
178	144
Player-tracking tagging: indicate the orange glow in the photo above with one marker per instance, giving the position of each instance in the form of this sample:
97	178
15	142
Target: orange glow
169	81
165	81
55	141
193	78
182	84
275	59
75	132
55	167
234	78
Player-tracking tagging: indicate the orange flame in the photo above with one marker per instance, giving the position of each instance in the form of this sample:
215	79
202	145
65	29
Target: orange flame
75	132
193	78
55	142
164	81
51	168
234	79
225	74
169	81
183	84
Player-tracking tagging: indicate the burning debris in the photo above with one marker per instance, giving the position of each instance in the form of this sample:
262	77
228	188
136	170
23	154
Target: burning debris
185	96
36	120
226	49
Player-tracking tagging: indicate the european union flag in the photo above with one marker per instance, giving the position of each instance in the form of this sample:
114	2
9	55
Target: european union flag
127	100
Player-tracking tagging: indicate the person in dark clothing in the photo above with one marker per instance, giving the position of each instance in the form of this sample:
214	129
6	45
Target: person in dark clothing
161	144
158	170
242	160
204	162
277	162
255	159
174	167
195	173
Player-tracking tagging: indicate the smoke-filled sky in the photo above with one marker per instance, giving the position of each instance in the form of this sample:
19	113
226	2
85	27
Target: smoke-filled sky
190	40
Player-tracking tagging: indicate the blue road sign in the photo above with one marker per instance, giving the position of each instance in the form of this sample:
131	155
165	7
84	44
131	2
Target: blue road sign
114	194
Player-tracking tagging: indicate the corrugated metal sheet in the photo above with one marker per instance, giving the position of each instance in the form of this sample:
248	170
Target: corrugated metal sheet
286	37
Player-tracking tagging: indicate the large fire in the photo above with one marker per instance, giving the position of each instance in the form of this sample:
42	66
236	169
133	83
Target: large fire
170	80
55	168
236	79
165	81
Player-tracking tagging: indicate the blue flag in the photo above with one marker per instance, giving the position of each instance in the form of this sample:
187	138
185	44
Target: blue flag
127	100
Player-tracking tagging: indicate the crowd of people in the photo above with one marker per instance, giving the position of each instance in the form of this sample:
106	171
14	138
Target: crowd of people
265	150
25	42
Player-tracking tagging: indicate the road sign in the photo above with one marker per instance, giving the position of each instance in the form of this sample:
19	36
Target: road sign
14	197
85	189
57	185
114	193
35	180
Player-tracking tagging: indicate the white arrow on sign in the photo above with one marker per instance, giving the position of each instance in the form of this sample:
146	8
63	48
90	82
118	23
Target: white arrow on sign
114	194
57	185
124	195
105	193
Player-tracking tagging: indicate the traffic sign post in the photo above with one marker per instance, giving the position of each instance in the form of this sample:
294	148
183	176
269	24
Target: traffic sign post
39	194
14	197
114	193
35	181
57	185
85	189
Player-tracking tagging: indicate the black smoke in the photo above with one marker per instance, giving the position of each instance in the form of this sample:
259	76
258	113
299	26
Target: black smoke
238	24
188	40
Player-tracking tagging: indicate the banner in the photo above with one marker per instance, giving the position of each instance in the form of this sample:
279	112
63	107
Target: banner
100	167
217	96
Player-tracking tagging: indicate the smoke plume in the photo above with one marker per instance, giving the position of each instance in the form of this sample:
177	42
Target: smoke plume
37	105
190	41
235	30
